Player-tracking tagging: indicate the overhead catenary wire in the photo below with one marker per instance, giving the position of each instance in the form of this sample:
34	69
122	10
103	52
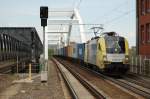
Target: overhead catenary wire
118	17
111	11
116	21
72	24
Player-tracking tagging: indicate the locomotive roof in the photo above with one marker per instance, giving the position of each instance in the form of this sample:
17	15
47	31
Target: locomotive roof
109	34
105	34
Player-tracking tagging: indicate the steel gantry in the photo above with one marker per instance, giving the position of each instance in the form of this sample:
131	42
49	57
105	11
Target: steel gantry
59	28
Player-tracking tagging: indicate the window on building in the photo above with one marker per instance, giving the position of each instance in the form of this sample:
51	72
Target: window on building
142	7
142	35
147	6
148	33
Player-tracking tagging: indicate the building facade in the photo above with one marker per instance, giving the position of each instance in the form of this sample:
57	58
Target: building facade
143	27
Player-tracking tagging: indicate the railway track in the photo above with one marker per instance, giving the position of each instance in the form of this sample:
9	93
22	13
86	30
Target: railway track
100	82
93	91
145	92
136	88
137	80
130	84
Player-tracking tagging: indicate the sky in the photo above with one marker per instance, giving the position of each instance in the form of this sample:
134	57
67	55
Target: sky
115	15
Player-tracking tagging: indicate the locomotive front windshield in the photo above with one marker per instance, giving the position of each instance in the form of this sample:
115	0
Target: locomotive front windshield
115	44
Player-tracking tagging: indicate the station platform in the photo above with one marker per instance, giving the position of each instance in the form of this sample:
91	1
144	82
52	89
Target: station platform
20	89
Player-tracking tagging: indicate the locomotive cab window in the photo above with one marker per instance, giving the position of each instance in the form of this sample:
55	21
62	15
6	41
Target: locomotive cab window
115	44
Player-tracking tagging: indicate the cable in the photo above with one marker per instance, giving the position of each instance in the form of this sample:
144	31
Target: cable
114	9
114	21
122	15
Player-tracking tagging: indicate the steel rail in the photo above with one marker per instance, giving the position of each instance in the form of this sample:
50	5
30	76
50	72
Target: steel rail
120	83
85	83
138	82
71	90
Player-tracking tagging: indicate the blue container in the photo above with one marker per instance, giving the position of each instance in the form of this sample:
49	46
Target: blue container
80	51
62	52
65	51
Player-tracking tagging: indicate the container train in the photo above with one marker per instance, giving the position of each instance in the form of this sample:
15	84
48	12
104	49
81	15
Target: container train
107	53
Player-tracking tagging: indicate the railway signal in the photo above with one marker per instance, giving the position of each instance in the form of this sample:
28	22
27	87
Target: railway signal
44	16
43	12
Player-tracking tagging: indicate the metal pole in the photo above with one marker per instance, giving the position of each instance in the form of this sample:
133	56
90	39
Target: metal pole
44	48
44	70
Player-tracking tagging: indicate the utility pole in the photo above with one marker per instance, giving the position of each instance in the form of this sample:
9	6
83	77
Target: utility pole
44	16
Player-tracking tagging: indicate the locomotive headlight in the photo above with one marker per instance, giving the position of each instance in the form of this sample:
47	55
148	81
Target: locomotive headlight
106	60
126	59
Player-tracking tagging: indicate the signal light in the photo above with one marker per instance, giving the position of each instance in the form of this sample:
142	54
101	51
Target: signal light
44	12
43	22
43	15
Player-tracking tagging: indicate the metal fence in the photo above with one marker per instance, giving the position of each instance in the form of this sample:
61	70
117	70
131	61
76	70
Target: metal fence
140	65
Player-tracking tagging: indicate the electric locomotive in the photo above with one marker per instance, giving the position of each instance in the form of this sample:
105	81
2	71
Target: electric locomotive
108	53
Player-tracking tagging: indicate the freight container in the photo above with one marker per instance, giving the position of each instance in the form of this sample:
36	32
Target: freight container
74	51
65	51
86	53
61	51
70	50
80	51
63	54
